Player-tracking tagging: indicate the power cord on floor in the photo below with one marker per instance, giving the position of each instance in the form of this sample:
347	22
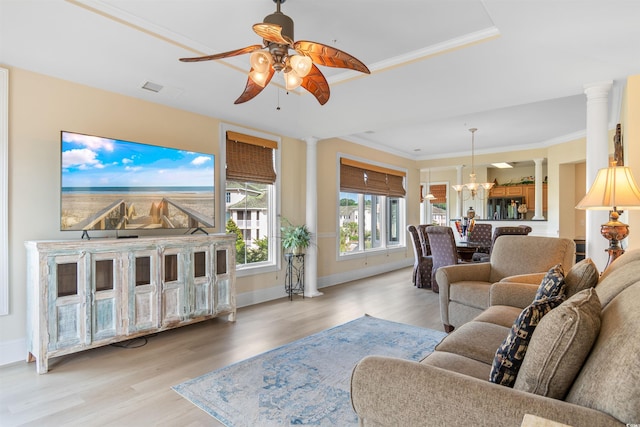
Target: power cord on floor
134	343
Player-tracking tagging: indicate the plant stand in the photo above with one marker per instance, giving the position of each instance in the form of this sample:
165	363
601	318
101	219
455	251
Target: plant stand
294	276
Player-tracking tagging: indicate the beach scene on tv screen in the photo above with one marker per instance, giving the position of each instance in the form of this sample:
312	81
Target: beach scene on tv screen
110	184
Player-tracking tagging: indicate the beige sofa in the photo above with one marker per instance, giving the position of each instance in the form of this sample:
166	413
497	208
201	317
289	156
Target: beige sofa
450	387
464	291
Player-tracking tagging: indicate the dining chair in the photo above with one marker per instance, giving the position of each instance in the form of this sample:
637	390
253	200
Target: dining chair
422	264
481	235
443	250
519	230
424	240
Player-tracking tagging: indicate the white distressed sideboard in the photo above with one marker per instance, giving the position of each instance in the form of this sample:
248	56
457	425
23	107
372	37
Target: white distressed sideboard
85	294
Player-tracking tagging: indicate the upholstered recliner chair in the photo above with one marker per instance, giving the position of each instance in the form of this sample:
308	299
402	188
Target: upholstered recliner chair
464	288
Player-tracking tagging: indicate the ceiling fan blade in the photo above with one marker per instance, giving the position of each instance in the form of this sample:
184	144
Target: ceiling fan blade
252	89
272	33
224	54
329	56
316	84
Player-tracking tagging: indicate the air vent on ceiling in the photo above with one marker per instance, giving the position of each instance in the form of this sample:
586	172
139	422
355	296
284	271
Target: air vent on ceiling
153	87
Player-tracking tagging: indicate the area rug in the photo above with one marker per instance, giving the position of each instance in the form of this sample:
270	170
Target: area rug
306	382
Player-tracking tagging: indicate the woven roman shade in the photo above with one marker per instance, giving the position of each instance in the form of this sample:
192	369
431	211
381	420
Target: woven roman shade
250	159
440	193
359	177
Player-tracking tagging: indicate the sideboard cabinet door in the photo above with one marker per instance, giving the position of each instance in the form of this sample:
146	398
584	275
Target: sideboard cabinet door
172	268
107	280
67	307
142	297
201	278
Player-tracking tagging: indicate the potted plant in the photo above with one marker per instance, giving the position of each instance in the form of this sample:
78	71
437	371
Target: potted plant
295	237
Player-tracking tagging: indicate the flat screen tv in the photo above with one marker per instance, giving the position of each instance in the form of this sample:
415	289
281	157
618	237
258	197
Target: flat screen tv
110	184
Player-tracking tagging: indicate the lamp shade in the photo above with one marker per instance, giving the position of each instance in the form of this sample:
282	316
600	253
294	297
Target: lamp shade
613	187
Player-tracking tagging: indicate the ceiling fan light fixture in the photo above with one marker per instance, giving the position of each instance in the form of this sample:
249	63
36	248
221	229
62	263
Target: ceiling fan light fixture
259	78
301	64
292	80
273	56
260	61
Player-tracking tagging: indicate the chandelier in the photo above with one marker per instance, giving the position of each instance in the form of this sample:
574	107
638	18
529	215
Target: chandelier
473	188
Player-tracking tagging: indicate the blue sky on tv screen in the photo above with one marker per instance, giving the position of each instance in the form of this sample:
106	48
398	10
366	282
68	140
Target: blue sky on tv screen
91	161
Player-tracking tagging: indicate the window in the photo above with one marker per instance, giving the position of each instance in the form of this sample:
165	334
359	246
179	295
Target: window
250	189
371	207
438	205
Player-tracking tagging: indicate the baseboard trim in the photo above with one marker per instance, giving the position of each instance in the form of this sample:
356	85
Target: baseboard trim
13	351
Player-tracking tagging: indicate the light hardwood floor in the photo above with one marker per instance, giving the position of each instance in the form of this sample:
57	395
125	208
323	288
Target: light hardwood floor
114	386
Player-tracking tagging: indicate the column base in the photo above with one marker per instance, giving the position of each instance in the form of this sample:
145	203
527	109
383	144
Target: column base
538	218
313	294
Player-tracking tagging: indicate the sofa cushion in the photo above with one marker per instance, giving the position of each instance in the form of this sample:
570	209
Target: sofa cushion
560	344
581	276
503	315
475	340
552	283
508	358
457	363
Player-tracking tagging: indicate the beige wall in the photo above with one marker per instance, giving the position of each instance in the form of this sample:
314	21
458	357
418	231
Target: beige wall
630	119
579	190
328	157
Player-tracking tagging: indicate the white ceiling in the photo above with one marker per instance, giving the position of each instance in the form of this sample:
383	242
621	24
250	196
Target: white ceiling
515	69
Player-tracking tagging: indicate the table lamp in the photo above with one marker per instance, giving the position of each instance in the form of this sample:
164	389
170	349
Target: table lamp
615	190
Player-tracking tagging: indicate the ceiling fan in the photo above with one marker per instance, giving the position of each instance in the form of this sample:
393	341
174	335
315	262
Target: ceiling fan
299	68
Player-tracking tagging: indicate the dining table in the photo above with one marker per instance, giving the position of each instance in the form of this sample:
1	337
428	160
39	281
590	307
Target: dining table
466	249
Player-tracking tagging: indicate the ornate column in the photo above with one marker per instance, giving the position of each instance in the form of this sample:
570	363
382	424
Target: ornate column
538	189
597	158
311	261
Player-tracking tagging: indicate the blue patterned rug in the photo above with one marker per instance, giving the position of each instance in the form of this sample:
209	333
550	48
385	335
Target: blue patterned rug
306	382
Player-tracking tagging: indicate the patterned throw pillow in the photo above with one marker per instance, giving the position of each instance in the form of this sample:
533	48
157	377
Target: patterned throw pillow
552	284
510	354
561	343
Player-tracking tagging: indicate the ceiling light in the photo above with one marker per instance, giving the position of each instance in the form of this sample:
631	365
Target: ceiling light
300	64
291	79
260	61
259	78
472	186
502	165
429	195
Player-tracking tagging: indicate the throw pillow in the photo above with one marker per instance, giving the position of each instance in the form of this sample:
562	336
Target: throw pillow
510	354
582	275
561	343
552	283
